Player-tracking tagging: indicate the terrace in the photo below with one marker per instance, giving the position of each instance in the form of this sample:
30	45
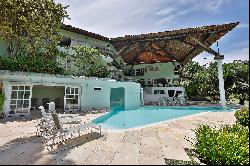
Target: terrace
149	145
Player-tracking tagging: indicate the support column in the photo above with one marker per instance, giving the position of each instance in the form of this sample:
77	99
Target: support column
221	82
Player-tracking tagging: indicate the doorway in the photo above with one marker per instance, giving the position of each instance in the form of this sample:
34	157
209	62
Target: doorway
42	95
117	99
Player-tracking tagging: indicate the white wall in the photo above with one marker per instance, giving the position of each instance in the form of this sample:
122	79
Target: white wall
149	95
93	99
89	98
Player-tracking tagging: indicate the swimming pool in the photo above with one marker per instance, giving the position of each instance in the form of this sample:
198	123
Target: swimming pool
125	119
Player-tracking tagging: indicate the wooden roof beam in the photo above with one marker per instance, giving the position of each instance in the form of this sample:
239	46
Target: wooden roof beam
123	49
168	53
196	47
141	51
207	48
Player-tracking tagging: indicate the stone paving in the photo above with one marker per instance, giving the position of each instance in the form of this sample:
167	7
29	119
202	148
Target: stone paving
148	145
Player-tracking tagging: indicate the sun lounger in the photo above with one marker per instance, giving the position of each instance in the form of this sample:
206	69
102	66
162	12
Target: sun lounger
59	134
46	122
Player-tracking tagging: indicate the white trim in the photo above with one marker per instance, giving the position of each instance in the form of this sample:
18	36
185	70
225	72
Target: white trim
74	94
10	99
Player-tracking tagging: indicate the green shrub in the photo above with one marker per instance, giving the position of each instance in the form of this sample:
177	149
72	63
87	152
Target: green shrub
2	98
98	70
226	145
26	63
242	116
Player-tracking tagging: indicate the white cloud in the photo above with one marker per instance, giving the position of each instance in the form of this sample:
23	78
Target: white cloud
212	5
113	18
239	54
165	11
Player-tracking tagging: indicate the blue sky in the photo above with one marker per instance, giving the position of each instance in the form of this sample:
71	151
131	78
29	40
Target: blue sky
115	18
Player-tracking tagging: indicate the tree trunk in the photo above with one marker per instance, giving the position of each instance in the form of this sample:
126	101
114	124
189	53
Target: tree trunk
242	101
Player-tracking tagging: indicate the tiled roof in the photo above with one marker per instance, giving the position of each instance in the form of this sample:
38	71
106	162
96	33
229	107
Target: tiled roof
84	32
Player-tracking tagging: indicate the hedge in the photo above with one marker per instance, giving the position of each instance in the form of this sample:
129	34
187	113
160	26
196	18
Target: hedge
224	146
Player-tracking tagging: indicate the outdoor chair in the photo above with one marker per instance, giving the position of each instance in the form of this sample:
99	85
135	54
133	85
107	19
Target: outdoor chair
178	101
163	101
71	108
182	100
170	101
46	122
59	134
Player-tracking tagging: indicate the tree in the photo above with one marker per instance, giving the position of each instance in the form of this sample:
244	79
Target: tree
88	62
198	85
236	77
204	83
190	69
31	26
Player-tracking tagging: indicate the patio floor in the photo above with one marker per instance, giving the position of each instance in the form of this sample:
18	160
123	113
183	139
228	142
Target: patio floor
19	145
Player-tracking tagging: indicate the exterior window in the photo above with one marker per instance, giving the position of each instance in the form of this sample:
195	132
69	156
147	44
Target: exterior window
178	93
97	88
159	92
20	98
71	99
142	72
157	69
150	68
171	93
137	72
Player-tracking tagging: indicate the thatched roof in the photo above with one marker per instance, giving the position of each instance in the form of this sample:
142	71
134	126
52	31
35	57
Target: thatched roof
169	45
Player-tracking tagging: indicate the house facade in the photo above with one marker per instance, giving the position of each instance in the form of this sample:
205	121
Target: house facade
28	91
25	92
144	69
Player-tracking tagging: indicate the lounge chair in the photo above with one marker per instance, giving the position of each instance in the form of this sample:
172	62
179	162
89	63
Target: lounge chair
46	122
65	118
170	101
59	134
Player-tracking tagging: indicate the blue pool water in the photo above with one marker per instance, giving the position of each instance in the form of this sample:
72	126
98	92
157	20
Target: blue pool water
121	119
